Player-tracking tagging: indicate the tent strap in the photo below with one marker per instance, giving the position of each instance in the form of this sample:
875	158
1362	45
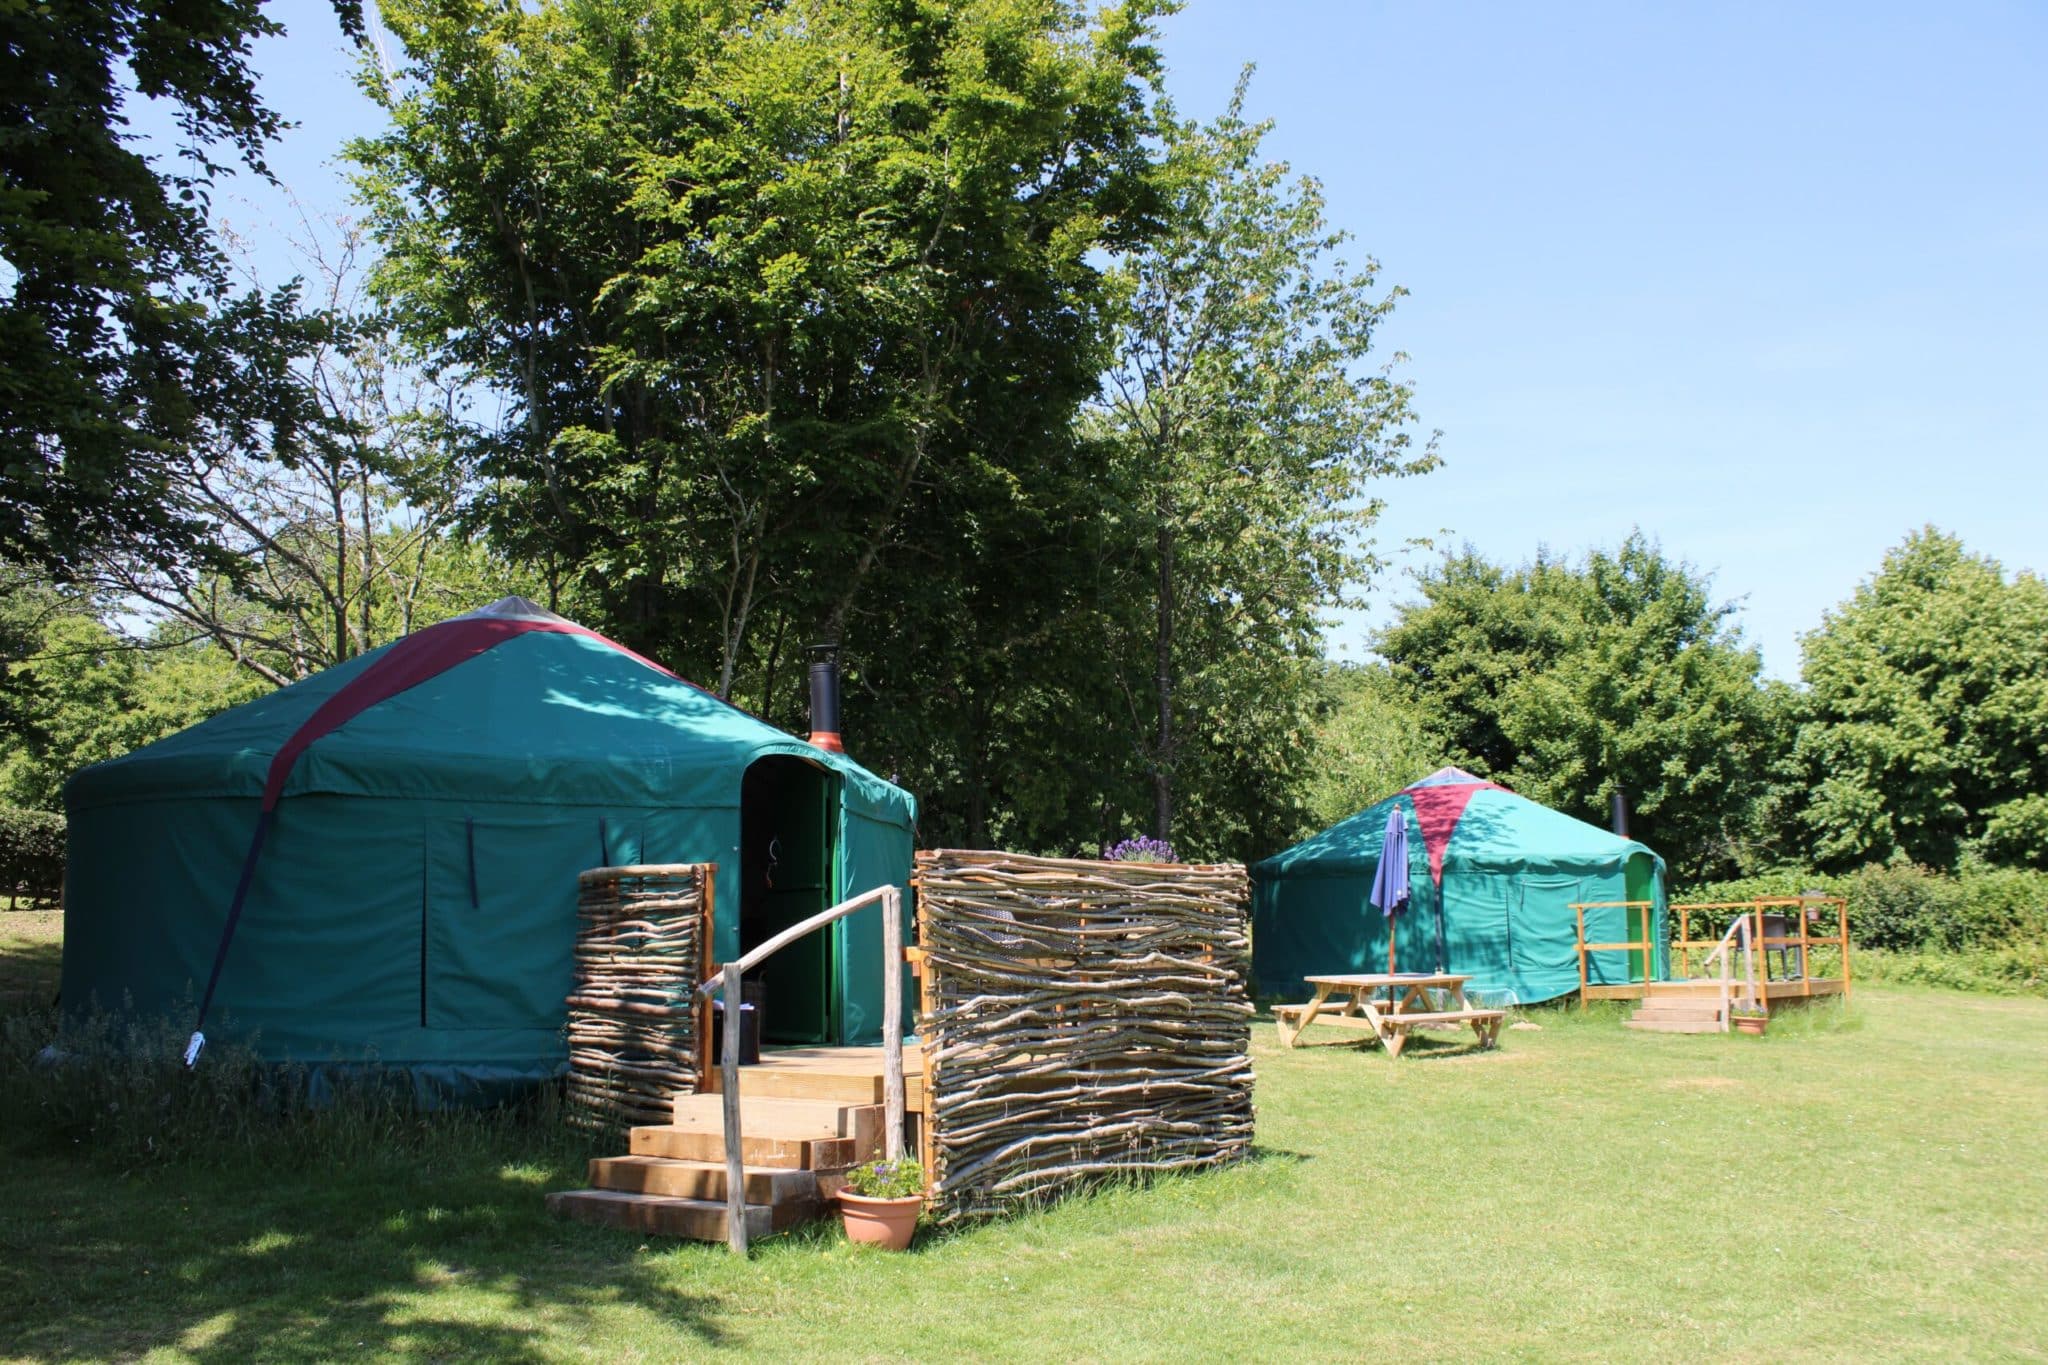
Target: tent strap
227	935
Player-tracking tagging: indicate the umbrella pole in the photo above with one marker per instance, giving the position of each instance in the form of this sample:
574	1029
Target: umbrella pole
1391	922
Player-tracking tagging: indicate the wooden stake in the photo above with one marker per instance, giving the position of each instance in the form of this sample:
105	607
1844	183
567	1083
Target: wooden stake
892	1021
735	1172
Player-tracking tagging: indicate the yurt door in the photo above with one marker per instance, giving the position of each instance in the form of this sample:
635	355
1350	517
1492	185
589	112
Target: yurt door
786	862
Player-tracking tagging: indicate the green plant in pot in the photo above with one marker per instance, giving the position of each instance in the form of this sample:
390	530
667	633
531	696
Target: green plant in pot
1749	1019
881	1201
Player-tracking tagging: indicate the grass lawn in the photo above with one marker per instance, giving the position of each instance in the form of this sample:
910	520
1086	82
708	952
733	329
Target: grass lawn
31	952
1870	1182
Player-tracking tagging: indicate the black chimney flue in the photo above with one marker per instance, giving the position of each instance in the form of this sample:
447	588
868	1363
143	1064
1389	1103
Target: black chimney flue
825	698
1620	808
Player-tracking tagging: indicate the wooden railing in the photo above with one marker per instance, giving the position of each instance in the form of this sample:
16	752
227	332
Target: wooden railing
1645	945
1750	979
727	984
1750	915
1747	925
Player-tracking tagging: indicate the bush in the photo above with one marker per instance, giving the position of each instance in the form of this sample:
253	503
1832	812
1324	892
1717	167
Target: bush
31	853
1900	907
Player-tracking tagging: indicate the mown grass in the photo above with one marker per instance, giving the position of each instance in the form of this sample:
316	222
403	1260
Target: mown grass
1865	1181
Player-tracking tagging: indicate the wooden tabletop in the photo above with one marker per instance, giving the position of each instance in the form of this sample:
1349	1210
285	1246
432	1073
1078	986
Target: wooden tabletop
1380	980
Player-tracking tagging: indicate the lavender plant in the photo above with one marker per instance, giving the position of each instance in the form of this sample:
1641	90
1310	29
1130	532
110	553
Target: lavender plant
1143	849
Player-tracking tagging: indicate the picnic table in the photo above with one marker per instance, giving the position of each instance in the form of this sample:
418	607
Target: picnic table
1387	1005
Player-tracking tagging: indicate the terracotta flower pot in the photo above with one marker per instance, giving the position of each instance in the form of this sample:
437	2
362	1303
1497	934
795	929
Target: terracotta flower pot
1751	1023
883	1222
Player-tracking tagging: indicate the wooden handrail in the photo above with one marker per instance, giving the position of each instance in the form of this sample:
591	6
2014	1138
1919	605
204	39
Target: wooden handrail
761	953
727	984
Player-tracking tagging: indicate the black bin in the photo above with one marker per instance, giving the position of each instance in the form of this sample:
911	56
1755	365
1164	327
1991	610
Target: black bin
750	1033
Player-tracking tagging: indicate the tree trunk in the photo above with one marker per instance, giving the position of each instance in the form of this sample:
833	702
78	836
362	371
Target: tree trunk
1162	760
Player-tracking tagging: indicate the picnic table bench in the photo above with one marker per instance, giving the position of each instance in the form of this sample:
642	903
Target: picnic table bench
1387	1005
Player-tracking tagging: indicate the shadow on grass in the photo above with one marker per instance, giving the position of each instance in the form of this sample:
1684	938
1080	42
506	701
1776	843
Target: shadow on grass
29	971
418	1257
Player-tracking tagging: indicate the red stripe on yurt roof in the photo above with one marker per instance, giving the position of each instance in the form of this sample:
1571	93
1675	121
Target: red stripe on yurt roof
421	656
1438	808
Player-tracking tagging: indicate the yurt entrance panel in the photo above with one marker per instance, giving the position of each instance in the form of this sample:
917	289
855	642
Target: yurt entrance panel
788	824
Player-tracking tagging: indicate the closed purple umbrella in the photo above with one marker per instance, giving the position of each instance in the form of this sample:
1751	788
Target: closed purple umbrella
1390	880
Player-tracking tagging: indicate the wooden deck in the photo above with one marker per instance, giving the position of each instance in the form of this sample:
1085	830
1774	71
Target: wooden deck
1774	992
1793	917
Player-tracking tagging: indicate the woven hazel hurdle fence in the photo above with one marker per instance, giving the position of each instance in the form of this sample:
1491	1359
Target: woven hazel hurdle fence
1081	1020
643	941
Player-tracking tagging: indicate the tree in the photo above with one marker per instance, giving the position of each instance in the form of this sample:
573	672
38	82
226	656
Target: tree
349	544
1566	681
1372	742
1926	730
97	695
121	342
1245	443
759	288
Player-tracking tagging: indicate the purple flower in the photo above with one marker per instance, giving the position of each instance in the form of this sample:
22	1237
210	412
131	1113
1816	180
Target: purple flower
1143	849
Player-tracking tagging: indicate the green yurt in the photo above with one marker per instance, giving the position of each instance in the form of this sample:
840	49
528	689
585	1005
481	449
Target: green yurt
1492	879
379	863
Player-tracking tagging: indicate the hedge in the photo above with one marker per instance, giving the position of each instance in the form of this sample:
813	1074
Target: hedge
1901	907
31	853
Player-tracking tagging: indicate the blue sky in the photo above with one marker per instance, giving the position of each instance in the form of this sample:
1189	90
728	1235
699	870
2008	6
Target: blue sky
1769	282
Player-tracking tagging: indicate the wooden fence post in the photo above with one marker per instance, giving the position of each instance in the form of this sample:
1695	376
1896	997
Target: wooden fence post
892	1020
729	1080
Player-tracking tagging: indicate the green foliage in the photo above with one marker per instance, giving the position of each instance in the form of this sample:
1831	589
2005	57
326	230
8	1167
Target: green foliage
1373	742
2016	832
121	345
97	696
2014	969
789	312
1245	446
887	1179
1904	908
1562	681
1926	700
31	853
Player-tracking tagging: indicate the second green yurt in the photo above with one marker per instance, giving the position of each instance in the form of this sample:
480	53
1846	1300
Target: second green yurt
1493	878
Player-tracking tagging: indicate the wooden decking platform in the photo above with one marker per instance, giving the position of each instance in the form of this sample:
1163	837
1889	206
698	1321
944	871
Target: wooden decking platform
1775	992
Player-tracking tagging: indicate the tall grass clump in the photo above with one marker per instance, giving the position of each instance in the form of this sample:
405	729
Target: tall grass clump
113	1087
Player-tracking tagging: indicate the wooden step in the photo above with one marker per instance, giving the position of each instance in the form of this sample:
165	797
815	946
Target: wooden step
776	1115
1673	1025
697	1219
803	1120
826	1075
700	1179
1709	1010
693	1144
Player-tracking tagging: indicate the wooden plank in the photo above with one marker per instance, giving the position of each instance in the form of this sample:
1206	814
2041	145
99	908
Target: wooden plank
705	1180
815	1154
776	1117
696	1219
808	1083
1356	1022
1404	1022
